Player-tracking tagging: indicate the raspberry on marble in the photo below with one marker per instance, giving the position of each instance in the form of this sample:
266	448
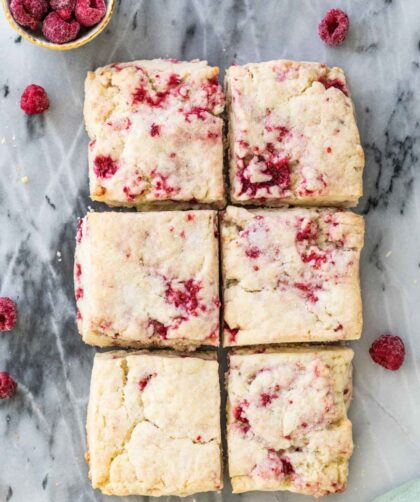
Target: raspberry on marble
8	386
34	100
334	27
8	314
388	351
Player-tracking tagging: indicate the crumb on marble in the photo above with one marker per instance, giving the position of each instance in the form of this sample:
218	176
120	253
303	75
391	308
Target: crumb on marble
24	180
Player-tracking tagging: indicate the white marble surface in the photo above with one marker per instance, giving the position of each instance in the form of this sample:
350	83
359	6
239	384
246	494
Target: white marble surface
42	429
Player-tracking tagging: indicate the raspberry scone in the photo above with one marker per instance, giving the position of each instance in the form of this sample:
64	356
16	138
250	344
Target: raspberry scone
148	279
291	275
287	425
153	424
156	134
293	137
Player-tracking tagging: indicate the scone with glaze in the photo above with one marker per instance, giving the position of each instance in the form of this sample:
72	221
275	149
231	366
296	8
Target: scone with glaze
148	279
291	275
156	134
287	425
293	137
153	424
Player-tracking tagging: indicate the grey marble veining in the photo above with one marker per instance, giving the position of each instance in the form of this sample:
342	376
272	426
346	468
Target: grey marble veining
42	439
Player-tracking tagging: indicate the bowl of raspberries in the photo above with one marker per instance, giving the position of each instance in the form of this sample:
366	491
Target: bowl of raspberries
59	24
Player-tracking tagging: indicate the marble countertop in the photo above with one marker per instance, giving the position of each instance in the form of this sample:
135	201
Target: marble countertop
42	438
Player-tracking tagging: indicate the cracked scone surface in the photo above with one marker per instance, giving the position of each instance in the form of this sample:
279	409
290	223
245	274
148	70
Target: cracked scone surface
156	133
293	137
287	425
148	279
153	424
291	275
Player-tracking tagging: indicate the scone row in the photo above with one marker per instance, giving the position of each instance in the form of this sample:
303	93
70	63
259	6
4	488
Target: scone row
154	421
156	135
152	279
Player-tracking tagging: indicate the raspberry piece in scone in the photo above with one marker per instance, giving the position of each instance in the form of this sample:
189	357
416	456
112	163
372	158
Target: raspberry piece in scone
153	424
156	134
293	137
148	279
287	425
291	275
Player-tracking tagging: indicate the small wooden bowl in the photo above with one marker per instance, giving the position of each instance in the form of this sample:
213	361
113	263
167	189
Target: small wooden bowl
41	41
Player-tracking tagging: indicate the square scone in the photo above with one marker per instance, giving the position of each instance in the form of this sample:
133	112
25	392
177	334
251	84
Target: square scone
153	424
156	134
287	425
293	137
148	279
291	275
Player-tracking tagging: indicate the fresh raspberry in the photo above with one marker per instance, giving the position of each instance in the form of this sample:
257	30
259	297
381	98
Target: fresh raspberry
21	15
34	100
63	4
333	28
36	8
65	14
90	12
104	166
388	351
8	314
59	31
7	385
